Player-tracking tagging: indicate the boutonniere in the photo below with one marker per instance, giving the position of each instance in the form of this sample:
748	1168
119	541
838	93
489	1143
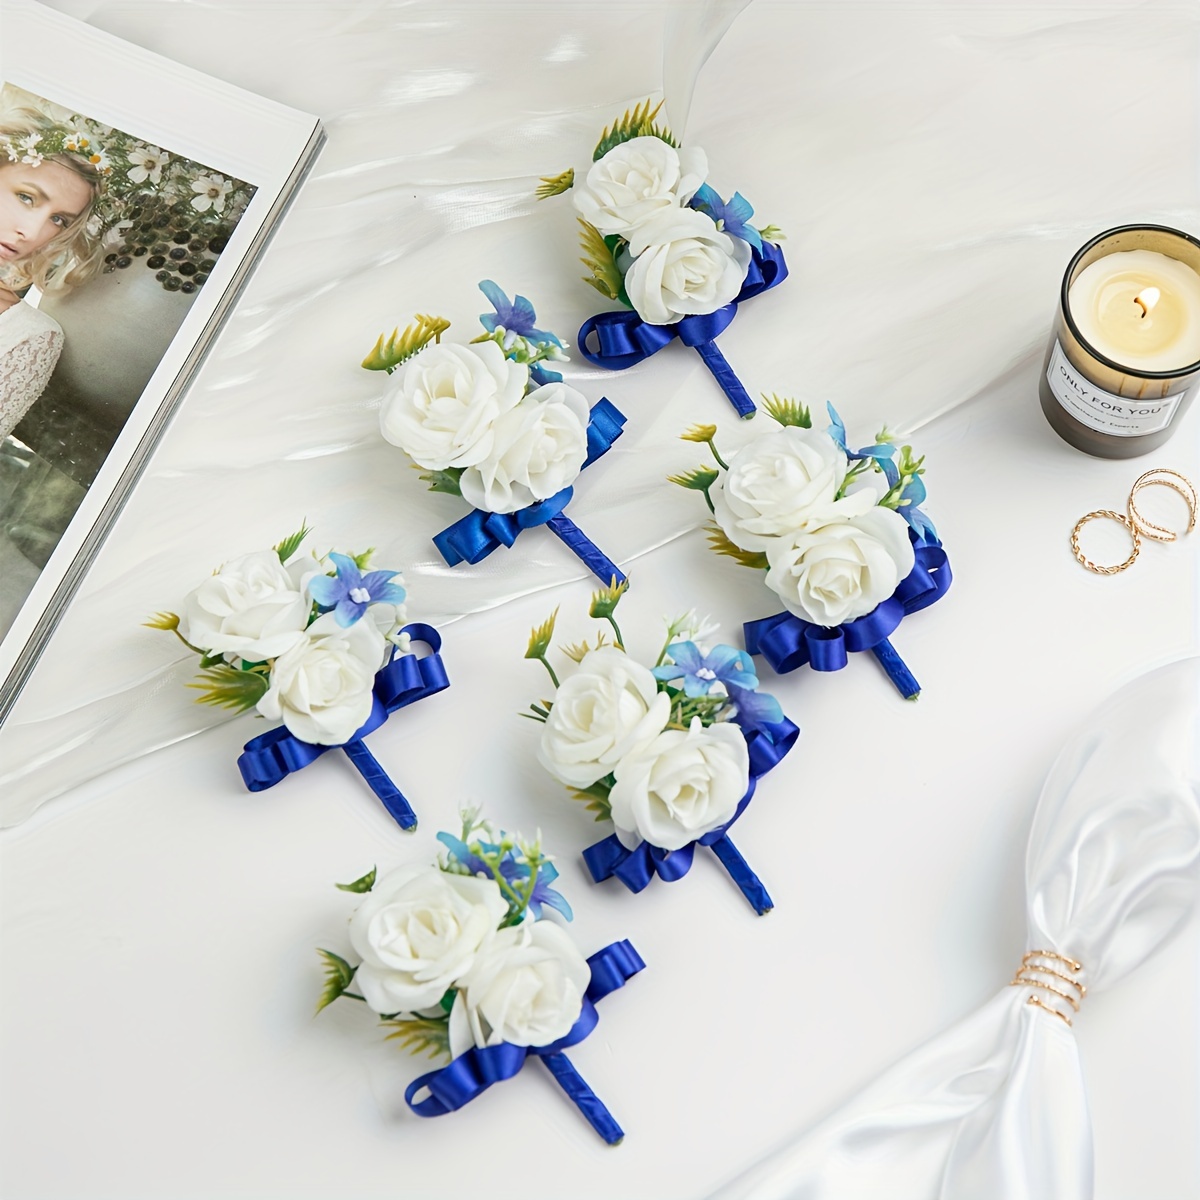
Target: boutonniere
668	753
460	961
838	532
317	643
660	240
489	422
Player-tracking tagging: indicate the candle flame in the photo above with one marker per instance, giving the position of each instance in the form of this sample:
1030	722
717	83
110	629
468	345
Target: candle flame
1146	299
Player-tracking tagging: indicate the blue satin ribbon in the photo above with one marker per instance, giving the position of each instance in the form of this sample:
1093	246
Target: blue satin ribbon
623	339
476	535
475	1070
635	868
788	642
271	756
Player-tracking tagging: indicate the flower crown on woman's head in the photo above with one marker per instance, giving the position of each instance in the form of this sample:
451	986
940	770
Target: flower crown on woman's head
173	213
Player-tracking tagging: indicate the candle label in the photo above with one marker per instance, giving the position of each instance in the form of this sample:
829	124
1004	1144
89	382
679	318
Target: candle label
1120	416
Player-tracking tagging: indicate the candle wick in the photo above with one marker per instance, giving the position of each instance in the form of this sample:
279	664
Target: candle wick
1146	299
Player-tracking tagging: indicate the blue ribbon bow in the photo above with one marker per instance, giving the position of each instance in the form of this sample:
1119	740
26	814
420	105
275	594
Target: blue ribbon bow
268	758
475	1070
635	868
787	641
476	535
623	339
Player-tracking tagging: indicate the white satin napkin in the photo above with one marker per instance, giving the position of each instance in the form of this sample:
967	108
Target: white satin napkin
995	1108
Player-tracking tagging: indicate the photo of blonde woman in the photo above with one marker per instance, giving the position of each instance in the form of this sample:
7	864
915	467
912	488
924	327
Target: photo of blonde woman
49	184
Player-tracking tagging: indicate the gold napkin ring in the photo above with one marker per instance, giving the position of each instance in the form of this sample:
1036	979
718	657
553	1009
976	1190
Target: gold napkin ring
1121	519
1163	477
1047	971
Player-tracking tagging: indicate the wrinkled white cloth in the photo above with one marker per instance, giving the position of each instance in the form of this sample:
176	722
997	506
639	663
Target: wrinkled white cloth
30	343
933	168
996	1108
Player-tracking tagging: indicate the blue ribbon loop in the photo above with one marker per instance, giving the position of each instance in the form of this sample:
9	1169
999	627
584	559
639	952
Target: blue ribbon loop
475	1070
472	538
788	642
623	339
635	868
271	756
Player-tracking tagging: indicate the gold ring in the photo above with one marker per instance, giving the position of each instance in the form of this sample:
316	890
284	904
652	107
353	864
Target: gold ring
1163	477
1112	516
1039	965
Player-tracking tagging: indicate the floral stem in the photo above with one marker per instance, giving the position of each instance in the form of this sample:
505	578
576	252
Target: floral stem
546	663
708	501
193	649
712	445
354	996
616	630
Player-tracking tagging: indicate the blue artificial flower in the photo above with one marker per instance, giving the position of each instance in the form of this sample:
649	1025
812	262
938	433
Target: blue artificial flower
881	452
516	316
461	853
514	873
349	592
544	894
723	664
731	218
756	709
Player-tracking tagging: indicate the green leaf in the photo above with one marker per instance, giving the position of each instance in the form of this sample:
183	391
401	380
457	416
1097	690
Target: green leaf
699	433
421	1035
338	974
605	275
699	479
291	543
722	545
635	122
772	233
163	620
388	353
445	480
596	798
227	687
604	602
541	636
363	884
787	411
579	652
555	185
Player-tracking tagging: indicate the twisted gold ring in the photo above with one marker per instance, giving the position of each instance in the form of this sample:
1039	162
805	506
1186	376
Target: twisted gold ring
1121	519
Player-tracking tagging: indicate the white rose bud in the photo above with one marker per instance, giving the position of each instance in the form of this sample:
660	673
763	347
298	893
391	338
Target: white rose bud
441	407
538	450
780	483
526	986
253	607
321	687
830	574
608	708
683	265
417	931
635	181
682	786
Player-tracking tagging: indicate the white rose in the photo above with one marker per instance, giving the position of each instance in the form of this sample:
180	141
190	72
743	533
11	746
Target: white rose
538	450
608	708
321	687
253	607
635	181
417	931
682	786
780	483
683	265
441	407
834	573
526	986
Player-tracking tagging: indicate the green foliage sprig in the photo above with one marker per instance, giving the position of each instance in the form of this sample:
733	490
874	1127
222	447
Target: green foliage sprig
633	123
389	352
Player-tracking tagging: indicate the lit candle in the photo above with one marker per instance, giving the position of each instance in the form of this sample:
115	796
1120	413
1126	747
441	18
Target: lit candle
1126	346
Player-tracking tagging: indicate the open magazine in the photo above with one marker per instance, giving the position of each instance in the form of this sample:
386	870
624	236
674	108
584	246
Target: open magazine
135	197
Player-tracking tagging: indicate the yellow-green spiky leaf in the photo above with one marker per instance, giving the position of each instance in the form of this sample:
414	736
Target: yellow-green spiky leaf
292	542
635	122
722	545
772	233
605	600
699	479
541	636
787	411
555	185
699	433
338	974
605	276
226	687
421	1035
389	352
163	620
596	799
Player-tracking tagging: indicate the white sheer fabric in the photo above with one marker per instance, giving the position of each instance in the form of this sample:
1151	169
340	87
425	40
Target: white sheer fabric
996	1109
30	343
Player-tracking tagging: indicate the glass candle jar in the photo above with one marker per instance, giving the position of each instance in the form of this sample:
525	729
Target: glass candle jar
1124	356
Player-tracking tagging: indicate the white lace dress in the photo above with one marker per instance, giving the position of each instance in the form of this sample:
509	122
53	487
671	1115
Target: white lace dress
30	343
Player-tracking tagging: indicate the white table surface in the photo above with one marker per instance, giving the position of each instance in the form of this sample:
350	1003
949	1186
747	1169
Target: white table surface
159	924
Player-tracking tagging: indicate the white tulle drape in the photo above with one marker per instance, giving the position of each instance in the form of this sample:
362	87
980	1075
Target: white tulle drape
996	1109
933	168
